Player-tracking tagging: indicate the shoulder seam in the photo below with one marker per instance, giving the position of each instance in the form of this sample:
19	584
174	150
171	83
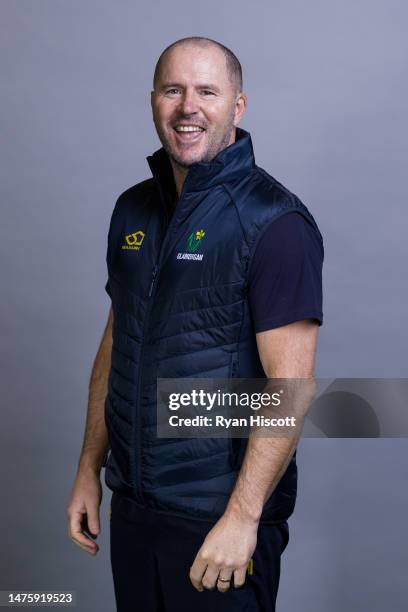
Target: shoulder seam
273	182
238	214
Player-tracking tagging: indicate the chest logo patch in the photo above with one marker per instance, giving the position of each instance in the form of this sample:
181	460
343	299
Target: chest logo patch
194	242
134	241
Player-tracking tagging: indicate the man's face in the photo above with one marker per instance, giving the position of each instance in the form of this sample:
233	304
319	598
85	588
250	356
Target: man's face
195	107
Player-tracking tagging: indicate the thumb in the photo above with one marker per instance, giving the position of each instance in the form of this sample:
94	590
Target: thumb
94	527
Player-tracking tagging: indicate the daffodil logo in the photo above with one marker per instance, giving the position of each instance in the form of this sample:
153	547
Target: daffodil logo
194	240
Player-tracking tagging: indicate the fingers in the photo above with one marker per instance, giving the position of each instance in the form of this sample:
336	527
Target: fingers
209	580
197	571
76	534
224	580
239	577
208	573
212	576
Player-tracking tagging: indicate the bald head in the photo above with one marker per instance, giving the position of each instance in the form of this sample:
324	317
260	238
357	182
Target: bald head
234	69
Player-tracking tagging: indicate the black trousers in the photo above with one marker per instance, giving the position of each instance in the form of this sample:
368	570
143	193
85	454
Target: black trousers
151	555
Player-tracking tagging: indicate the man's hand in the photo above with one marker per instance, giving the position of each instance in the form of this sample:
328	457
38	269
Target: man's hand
225	553
83	510
86	495
285	352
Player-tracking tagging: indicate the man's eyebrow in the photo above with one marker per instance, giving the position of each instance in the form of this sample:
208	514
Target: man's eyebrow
200	86
209	86
170	84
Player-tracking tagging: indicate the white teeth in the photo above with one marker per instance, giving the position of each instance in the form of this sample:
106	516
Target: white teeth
188	128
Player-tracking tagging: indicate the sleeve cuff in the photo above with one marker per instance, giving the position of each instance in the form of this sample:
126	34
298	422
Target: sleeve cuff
287	318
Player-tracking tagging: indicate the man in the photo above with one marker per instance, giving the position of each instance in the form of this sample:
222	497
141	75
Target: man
214	271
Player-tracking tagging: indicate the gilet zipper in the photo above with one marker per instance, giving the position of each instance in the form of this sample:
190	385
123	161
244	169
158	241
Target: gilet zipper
137	438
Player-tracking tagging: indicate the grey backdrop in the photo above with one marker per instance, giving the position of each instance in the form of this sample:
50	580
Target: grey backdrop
327	84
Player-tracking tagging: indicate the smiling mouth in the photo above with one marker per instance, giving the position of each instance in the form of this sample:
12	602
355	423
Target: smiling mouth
188	127
188	133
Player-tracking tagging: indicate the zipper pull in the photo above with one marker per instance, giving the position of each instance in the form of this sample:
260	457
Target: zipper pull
153	278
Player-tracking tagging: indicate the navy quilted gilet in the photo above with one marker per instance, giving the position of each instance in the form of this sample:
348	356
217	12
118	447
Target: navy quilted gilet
180	307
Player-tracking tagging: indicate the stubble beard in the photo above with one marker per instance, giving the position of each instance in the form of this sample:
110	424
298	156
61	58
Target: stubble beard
213	148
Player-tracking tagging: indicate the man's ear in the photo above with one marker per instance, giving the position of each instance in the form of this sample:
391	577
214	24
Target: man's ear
240	107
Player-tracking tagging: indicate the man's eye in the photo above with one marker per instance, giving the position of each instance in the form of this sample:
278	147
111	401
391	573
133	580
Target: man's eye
207	92
171	91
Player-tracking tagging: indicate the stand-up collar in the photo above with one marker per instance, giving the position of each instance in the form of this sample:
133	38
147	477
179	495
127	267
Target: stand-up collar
232	162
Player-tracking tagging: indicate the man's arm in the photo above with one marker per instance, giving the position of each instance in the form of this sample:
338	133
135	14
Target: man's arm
285	352
86	495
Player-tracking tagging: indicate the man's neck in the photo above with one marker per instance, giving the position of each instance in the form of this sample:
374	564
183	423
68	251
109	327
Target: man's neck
181	172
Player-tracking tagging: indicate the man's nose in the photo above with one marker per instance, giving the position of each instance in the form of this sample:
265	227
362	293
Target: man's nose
189	103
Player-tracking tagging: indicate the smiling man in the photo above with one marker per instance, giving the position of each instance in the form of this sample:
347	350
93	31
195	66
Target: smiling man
215	270
190	137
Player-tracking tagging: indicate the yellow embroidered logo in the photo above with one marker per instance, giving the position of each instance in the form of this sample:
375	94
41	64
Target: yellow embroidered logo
194	240
134	241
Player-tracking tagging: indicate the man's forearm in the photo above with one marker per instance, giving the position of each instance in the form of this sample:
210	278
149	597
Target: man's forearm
95	444
265	461
266	457
288	355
